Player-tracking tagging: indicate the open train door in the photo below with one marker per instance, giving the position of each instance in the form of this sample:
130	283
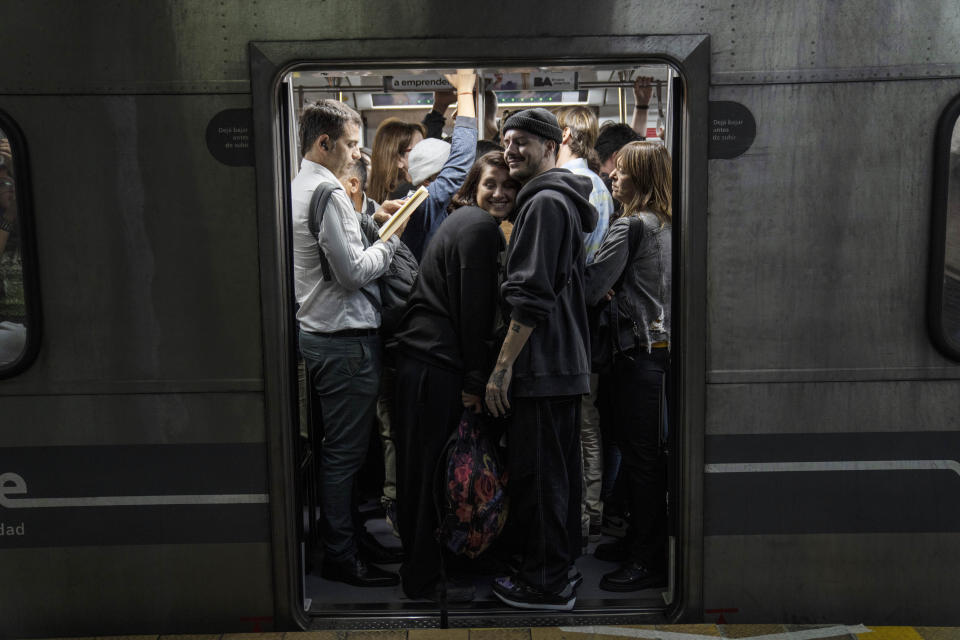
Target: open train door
272	66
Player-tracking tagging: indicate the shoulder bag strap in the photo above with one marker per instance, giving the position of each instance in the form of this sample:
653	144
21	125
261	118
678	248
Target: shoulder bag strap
634	234
318	205
633	243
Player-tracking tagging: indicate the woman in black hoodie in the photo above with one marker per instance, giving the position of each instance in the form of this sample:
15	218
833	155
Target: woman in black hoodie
446	345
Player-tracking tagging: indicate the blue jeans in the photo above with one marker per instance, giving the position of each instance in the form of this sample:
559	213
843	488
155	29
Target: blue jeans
344	373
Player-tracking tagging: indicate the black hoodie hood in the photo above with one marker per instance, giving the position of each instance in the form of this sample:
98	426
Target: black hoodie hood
575	187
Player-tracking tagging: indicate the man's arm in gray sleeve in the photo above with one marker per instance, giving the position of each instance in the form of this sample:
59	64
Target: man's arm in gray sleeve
352	265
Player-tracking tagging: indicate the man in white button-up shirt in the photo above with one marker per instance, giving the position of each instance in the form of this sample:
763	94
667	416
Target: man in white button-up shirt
338	320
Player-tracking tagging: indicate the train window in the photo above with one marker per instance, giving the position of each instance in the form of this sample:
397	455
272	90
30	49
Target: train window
422	102
945	263
18	321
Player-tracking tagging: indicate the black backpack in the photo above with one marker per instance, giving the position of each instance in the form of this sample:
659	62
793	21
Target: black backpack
395	284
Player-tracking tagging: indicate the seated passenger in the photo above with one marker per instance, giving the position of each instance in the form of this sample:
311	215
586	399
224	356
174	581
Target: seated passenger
446	342
442	166
391	148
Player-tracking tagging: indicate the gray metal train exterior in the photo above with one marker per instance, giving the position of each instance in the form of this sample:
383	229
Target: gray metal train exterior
151	433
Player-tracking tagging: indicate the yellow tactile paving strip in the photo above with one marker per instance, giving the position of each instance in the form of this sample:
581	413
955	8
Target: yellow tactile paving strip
731	631
437	634
751	630
934	633
899	633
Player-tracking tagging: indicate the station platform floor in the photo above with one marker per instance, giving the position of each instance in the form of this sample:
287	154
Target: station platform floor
658	632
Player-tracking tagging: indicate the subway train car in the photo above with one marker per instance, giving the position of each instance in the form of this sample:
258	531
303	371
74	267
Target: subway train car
154	476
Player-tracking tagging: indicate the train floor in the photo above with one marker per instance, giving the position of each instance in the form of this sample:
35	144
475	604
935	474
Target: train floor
326	596
650	632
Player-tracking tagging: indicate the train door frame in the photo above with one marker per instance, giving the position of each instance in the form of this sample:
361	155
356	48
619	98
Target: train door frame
688	54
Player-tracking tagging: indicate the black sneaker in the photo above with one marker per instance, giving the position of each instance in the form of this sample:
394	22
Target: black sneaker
616	551
574	577
358	573
518	594
632	577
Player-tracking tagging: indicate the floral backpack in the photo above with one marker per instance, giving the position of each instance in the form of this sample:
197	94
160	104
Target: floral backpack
472	498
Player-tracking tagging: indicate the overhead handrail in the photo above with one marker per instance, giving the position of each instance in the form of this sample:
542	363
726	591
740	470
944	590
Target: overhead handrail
378	88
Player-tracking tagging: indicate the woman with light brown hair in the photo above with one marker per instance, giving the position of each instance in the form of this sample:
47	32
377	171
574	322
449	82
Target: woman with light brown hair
632	273
391	149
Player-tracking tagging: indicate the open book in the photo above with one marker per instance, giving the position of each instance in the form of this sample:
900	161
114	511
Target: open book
397	219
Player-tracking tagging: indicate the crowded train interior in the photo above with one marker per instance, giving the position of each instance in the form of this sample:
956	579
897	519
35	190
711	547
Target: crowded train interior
412	95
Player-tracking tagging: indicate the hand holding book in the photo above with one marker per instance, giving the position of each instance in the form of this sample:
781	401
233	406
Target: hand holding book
398	221
387	209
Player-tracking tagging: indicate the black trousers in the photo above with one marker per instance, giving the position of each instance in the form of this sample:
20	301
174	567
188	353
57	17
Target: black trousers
545	487
428	410
638	406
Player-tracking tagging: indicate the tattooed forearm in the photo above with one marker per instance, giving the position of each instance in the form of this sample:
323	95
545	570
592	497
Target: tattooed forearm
517	335
499	383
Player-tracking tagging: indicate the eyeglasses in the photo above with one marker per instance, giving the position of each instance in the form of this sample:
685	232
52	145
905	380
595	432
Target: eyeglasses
7	183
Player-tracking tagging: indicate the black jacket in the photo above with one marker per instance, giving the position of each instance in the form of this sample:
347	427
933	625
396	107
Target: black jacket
452	310
543	286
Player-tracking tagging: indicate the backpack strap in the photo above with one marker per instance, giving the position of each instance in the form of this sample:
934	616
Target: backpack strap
636	232
318	204
634	235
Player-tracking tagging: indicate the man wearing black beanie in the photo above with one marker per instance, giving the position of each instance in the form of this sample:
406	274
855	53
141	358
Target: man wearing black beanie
544	362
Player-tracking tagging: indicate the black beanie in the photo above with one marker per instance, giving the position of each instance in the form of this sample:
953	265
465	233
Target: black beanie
537	121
